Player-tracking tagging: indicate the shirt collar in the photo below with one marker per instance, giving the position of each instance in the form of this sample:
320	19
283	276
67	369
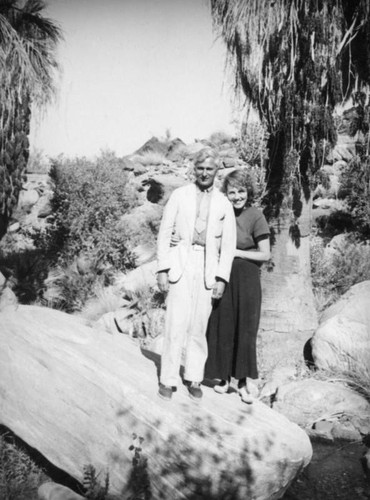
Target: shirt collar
208	190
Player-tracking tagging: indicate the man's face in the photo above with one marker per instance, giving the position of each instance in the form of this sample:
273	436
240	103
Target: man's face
205	173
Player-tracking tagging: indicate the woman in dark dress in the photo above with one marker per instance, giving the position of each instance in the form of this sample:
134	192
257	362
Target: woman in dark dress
234	321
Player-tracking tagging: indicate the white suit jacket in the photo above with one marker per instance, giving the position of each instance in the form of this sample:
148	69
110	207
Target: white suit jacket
179	216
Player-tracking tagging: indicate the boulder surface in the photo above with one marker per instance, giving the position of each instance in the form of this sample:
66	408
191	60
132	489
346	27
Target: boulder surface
83	397
342	340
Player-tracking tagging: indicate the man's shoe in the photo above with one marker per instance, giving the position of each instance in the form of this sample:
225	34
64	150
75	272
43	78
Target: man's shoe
222	387
195	392
165	392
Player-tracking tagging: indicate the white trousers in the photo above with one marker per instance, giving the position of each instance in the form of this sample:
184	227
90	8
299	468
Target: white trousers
189	305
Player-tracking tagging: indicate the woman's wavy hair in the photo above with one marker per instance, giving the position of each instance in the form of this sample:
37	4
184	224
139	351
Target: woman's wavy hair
240	177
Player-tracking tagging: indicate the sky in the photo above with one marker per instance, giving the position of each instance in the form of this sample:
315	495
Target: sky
133	69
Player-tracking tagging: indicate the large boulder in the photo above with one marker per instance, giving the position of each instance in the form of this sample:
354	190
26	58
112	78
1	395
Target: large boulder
28	198
83	397
142	224
342	340
312	402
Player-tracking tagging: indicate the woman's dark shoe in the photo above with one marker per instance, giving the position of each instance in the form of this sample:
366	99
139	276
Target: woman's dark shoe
165	392
195	392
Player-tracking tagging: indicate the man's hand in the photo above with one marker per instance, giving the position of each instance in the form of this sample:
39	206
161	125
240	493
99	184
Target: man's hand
163	281
218	290
175	240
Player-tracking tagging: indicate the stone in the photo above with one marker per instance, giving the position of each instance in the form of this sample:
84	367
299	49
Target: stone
55	491
142	223
27	198
2	282
118	321
7	298
339	165
344	152
144	253
45	209
82	397
161	187
335	246
328	203
139	279
323	429
342	340
309	401
13	228
152	145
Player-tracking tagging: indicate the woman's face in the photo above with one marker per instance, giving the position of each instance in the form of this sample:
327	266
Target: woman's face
238	196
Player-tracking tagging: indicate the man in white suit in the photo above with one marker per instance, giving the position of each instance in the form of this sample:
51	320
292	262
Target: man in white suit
193	271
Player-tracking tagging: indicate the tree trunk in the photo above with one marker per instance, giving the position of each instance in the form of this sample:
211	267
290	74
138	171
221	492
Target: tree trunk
288	302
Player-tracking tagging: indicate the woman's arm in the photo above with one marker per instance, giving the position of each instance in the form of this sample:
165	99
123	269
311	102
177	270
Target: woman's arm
261	254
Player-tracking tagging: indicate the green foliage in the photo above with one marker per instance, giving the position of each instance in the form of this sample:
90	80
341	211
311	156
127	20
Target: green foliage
333	275
26	273
355	189
85	240
91	482
19	475
252	144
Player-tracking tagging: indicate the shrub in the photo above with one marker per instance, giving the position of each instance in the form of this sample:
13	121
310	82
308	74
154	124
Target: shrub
252	144
19	475
85	242
25	272
355	189
333	275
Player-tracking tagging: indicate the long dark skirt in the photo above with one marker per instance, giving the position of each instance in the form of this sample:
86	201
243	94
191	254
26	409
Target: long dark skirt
233	325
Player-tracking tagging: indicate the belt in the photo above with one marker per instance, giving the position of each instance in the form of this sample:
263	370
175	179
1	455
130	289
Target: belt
198	248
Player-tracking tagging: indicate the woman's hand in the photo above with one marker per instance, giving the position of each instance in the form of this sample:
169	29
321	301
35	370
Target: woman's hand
218	290
163	281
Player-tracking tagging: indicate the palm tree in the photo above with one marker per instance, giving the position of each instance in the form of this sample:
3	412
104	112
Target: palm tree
295	60
27	65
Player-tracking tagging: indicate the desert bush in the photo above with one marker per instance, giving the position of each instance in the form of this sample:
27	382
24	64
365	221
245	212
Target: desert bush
333	275
252	144
219	138
94	490
85	243
37	162
355	189
19	475
25	272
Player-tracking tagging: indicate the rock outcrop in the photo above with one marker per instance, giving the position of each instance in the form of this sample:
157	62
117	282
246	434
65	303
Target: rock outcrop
78	394
310	403
342	340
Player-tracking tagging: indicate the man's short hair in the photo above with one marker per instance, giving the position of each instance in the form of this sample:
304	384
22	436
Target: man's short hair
204	154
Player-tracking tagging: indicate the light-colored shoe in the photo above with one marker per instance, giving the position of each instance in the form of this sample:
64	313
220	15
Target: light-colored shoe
222	387
246	397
